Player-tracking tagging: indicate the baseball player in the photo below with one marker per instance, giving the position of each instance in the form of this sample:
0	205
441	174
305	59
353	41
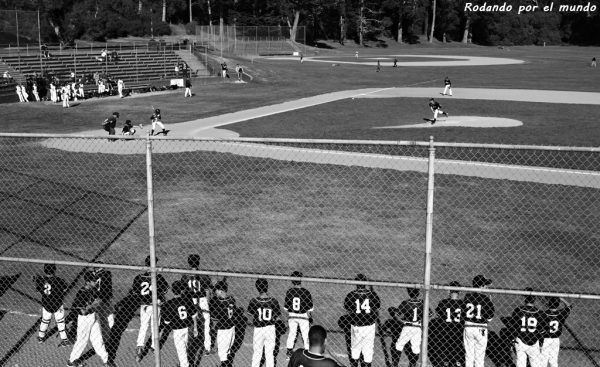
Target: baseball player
120	86
436	108
265	311
178	313
104	311
142	286
110	123
128	128
156	119
449	311
299	305
447	87
313	356
53	290
199	289
528	321
88	327
188	88
410	313
363	305
222	308
478	311
553	324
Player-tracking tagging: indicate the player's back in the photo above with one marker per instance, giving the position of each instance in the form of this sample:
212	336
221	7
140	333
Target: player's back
53	291
529	323
104	281
411	311
303	357
554	321
264	310
478	309
363	305
178	312
450	311
222	310
142	287
298	300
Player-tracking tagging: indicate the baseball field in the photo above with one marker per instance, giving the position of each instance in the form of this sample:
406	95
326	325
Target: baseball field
329	210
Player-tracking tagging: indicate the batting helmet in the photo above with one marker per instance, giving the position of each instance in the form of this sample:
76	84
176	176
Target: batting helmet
157	110
116	114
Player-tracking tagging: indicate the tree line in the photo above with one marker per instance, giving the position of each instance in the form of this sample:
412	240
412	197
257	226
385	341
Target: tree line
359	21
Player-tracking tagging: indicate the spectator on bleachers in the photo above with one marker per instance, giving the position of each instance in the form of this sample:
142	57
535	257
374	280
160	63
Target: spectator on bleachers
45	52
101	88
53	95
72	75
113	56
81	92
185	69
6	75
96	78
35	92
177	70
102	57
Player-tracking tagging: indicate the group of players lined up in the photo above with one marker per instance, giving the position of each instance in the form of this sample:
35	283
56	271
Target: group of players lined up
204	317
110	124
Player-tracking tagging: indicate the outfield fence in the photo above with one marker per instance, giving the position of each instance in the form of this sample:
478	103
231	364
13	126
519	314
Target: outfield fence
405	214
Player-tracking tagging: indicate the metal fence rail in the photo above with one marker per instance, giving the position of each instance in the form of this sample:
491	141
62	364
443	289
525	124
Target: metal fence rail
414	215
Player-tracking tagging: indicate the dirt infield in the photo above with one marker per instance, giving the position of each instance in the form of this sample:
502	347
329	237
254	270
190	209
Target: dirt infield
461	121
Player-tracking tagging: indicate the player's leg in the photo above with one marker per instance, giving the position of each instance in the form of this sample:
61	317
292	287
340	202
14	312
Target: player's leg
521	354
550	351
181	338
145	313
291	339
356	343
203	304
258	339
152	321
98	341
153	127
269	345
304	326
481	339
44	324
222	345
84	327
59	317
469	344
368	345
404	338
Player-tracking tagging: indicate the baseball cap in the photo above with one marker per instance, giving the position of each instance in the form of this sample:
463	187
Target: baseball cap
480	281
116	114
454	284
89	276
361	277
49	269
221	286
296	274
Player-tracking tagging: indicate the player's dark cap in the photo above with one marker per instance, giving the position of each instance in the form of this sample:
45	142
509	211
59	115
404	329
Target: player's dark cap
553	302
157	110
116	114
147	260
89	276
317	335
221	286
529	298
296	274
127	122
481	281
454	284
413	292
431	99
262	285
179	287
50	269
194	260
361	278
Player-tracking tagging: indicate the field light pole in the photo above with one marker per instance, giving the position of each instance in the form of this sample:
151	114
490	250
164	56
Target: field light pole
40	42
18	46
428	246
155	336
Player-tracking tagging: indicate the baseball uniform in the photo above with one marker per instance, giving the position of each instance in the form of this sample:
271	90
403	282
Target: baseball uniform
554	319
529	322
104	311
265	311
410	313
199	288
178	314
53	290
451	330
142	286
222	312
436	108
304	358
363	304
477	312
447	87
156	119
298	303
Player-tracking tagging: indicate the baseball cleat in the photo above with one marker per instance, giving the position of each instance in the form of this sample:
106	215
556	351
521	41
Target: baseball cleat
40	339
65	343
138	354
433	121
446	114
75	364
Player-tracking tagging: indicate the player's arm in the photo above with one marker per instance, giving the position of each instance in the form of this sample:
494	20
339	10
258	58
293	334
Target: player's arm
276	309
349	304
287	302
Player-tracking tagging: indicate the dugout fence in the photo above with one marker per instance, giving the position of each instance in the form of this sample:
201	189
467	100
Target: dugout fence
405	214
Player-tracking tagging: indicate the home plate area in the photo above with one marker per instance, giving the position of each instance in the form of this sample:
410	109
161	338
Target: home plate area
461	121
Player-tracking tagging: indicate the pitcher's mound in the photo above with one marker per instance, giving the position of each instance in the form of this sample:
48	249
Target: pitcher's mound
461	121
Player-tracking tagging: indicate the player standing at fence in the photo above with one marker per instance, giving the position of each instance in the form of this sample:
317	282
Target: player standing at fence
299	305
88	327
222	311
142	287
553	324
313	356
447	87
450	310
528	321
53	290
179	313
363	306
478	311
410	313
265	311
436	108
156	119
104	311
199	289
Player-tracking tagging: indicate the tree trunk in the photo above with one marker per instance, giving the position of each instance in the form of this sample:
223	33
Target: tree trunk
164	12
295	26
56	29
425	23
399	36
361	26
210	27
432	22
465	37
140	7
342	22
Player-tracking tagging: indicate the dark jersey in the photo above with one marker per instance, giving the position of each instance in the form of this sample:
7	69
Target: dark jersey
126	128
434	105
188	84
450	310
298	300
222	310
53	291
156	117
410	312
198	285
478	308
83	299
264	311
447	82
104	284
363	305
554	321
178	312
112	121
302	357
142	287
529	323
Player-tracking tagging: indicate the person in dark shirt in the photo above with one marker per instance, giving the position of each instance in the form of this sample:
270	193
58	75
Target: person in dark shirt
299	305
449	312
53	290
313	357
363	305
264	310
142	287
199	290
110	124
410	313
128	128
104	311
222	308
528	322
178	313
553	325
436	108
477	312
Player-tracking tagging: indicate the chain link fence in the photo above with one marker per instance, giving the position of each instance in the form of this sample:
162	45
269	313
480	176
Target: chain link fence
419	220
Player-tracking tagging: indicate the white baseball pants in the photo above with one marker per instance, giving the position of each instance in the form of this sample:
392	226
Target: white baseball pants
88	329
225	339
188	92
160	124
264	338
362	341
475	339
412	334
59	318
550	351
180	338
448	90
532	351
146	320
295	321
203	304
